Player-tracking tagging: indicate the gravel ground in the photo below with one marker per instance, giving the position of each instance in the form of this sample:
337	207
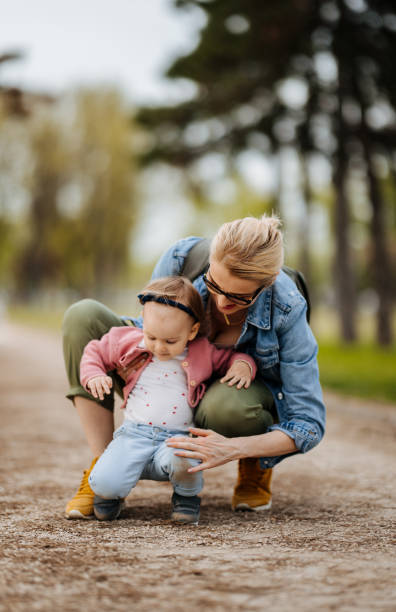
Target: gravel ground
328	543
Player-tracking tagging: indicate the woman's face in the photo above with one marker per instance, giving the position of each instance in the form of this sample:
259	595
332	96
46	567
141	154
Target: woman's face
223	278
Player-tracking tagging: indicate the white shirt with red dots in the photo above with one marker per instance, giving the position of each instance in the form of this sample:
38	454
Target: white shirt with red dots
159	397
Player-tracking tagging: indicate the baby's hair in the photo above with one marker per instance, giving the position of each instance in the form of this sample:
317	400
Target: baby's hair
250	248
179	289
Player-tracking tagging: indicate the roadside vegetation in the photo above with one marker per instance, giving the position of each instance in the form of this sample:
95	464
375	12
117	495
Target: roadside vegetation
363	369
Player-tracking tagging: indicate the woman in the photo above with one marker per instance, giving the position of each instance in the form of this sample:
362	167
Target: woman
253	305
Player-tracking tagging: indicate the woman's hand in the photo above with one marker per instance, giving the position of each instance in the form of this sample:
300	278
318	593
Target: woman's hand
212	449
240	372
99	385
209	447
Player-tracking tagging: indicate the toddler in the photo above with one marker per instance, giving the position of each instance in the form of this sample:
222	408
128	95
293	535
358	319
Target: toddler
160	395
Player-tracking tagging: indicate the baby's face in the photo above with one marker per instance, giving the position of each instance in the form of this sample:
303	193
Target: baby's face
167	330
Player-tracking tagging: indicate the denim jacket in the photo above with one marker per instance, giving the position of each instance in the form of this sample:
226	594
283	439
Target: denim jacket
276	334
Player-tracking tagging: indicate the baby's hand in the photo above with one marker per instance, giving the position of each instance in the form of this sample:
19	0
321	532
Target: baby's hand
99	385
240	372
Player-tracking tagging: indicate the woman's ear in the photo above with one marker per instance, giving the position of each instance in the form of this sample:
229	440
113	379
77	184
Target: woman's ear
194	331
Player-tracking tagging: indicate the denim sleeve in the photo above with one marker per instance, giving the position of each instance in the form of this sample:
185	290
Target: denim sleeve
300	404
171	263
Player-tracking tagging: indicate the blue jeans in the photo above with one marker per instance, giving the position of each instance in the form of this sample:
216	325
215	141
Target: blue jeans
139	452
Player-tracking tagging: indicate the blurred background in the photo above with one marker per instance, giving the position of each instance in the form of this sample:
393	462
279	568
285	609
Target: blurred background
126	125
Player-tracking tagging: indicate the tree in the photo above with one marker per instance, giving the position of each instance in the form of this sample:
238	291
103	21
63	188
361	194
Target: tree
38	263
102	173
82	211
246	53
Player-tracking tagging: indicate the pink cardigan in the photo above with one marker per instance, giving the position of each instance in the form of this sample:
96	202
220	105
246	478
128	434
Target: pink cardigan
119	347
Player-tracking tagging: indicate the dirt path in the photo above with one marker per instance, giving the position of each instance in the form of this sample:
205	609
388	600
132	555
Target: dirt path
327	543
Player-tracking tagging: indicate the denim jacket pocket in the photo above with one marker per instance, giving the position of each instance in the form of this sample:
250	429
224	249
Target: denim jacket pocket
267	357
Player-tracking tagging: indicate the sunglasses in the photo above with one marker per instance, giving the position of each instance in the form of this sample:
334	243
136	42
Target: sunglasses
241	300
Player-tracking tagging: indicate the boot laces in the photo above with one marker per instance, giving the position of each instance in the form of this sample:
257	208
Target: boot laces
84	488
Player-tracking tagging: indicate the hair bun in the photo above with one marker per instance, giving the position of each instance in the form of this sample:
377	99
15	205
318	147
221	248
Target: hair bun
273	223
250	248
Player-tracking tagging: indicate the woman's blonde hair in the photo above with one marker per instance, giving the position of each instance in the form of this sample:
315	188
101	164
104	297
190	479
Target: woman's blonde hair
179	289
250	248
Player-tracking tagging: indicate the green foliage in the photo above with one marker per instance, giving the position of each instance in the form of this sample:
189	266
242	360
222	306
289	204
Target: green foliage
107	212
38	261
80	175
363	370
241	202
315	76
48	320
339	52
7	237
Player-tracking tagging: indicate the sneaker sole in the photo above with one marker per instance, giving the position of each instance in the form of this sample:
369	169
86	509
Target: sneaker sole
245	507
76	514
102	517
181	519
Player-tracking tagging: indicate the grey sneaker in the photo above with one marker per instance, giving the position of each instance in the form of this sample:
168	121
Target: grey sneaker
107	509
185	510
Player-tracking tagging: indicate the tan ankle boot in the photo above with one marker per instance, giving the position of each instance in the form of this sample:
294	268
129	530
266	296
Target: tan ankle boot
253	488
81	505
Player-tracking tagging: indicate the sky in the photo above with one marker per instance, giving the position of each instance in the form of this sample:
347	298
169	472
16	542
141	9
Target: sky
128	43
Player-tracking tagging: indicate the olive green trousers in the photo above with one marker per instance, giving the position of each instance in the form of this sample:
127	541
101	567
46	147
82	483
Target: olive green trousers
227	410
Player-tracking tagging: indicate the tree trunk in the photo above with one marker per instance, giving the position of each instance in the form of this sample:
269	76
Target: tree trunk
380	257
381	268
305	225
344	278
343	267
278	198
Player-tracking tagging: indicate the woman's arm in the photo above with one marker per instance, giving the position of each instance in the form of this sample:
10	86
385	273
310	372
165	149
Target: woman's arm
212	449
302	414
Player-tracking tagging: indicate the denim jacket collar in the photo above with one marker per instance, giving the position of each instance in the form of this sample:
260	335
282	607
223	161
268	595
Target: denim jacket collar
259	313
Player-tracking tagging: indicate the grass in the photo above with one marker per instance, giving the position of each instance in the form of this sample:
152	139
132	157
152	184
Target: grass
36	317
363	369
